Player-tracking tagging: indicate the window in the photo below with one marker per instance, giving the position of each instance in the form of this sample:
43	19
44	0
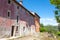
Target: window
17	7
9	1
9	12
17	19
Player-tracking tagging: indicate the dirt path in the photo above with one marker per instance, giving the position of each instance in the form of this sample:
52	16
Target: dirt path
46	36
42	36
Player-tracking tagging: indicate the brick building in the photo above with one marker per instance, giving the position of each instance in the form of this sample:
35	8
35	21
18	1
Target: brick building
16	20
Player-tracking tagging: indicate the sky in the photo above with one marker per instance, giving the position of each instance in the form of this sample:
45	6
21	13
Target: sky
43	8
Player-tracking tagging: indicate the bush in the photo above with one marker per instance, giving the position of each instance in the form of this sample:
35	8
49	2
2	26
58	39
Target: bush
42	29
58	33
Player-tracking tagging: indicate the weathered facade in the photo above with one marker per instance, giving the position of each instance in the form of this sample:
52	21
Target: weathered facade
15	20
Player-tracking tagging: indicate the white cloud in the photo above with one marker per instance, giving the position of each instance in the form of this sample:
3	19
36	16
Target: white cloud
48	21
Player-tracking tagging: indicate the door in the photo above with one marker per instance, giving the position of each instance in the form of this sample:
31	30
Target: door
12	31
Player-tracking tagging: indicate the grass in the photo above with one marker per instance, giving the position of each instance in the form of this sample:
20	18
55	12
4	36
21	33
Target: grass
58	38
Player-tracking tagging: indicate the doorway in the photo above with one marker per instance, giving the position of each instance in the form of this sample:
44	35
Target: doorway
12	31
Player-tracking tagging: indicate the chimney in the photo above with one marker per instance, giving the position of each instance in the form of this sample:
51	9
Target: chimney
21	2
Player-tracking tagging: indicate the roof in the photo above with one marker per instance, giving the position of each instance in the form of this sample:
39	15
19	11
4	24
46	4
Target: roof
22	7
37	15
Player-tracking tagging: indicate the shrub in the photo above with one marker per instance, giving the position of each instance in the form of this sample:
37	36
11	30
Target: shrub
58	33
42	29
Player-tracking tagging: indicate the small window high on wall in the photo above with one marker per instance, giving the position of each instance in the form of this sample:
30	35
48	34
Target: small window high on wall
17	7
9	1
9	13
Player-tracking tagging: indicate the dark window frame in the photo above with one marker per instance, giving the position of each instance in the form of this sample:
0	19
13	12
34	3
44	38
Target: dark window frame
8	13
9	1
17	7
17	18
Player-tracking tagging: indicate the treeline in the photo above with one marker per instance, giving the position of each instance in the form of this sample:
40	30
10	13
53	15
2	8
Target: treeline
49	29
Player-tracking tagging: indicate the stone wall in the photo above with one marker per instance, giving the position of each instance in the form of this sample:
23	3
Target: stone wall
26	24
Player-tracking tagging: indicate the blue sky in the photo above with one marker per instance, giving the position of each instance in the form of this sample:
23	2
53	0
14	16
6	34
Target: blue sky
43	8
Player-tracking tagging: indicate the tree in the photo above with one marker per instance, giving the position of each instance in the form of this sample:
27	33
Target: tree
41	25
42	29
56	3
